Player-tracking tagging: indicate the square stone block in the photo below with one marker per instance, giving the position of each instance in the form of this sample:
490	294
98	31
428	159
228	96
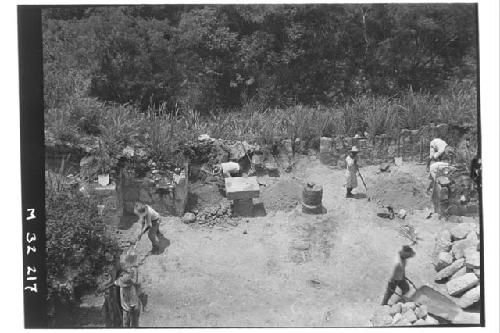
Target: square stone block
238	188
243	207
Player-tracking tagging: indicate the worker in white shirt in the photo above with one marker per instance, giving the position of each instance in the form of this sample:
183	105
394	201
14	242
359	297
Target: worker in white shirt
440	156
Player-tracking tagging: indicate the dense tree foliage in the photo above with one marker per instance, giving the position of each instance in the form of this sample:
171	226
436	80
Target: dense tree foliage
218	57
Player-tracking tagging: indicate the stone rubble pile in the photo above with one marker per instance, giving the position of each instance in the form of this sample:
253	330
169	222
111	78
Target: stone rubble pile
457	262
402	314
211	216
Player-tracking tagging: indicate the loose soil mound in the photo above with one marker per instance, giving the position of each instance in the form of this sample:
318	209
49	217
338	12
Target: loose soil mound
284	195
400	190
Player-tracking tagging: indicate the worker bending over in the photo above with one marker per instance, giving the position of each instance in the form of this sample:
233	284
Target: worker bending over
440	156
150	222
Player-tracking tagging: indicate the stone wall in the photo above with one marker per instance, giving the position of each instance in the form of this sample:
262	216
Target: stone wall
455	195
411	145
168	197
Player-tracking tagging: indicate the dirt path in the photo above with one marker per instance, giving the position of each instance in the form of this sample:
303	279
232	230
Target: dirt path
287	269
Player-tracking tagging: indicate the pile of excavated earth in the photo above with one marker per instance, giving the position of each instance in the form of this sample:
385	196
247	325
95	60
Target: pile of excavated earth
400	190
457	262
402	314
284	195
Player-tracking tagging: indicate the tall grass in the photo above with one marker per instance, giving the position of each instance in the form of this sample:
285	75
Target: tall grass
163	132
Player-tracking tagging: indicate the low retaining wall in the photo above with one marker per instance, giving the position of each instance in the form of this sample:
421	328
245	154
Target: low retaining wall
411	145
455	196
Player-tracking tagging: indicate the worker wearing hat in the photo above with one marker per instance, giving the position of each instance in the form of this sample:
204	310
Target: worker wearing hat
398	277
352	168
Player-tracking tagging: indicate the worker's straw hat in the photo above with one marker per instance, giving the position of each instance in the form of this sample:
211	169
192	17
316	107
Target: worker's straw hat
354	149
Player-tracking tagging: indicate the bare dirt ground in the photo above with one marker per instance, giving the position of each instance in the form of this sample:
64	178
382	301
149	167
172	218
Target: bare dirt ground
287	268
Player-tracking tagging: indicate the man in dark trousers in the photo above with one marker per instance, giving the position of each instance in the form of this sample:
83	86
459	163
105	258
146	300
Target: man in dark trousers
398	277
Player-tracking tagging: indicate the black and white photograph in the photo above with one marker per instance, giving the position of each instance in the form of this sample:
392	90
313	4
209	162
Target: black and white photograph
252	165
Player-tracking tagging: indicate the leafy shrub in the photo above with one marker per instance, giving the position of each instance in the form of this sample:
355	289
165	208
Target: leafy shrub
78	248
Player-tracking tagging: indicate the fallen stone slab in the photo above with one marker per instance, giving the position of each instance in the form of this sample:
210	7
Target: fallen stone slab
444	259
470	297
460	231
458	248
450	270
473	260
430	320
459	273
461	284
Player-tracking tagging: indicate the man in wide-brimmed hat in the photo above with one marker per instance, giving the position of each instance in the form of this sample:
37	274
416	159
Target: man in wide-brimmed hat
351	181
398	277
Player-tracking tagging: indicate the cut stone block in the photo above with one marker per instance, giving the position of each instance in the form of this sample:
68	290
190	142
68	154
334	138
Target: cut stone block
238	188
470	297
459	247
477	271
450	270
462	283
461	230
459	273
445	259
473	260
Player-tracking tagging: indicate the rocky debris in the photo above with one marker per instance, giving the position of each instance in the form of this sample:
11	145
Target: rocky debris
443	242
463	283
461	230
459	247
402	314
402	213
189	218
462	275
450	270
470	297
215	214
445	259
300	244
384	167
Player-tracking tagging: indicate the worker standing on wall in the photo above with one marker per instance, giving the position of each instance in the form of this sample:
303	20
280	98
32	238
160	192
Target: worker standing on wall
351	181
